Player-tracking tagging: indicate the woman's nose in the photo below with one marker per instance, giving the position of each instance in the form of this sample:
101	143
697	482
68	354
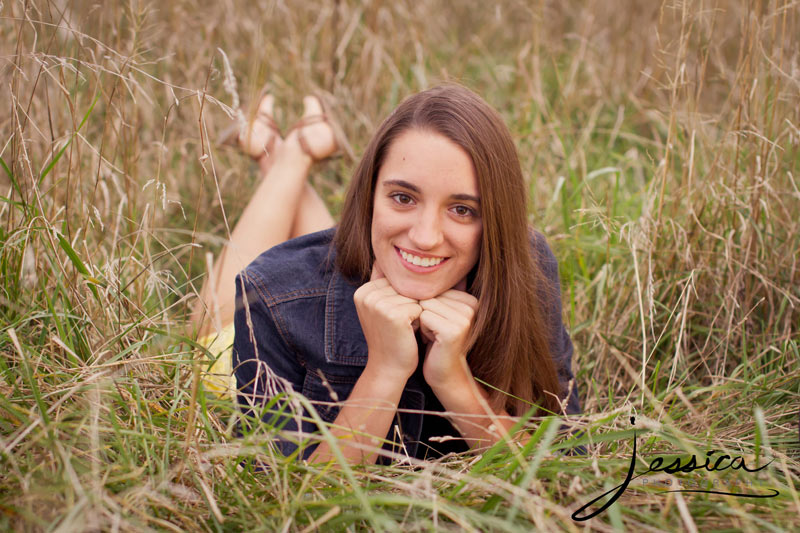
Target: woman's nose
426	233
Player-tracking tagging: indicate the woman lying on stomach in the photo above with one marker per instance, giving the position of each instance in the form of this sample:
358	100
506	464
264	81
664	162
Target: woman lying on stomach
431	280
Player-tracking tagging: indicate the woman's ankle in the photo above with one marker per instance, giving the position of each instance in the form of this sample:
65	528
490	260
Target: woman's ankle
288	158
291	148
265	161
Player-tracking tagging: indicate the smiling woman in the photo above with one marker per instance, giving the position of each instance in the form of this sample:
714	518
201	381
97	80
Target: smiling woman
426	225
432	285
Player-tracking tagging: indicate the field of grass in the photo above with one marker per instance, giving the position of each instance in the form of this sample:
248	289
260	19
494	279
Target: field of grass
661	142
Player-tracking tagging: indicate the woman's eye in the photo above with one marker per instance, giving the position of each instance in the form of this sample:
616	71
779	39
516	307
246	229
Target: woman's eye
463	211
401	198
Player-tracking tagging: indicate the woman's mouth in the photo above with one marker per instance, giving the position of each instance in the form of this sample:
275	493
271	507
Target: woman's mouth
420	264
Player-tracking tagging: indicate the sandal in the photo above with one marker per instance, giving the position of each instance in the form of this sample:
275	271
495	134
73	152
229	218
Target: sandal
340	142
301	138
258	137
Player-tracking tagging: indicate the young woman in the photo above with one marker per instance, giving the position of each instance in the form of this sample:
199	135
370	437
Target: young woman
431	294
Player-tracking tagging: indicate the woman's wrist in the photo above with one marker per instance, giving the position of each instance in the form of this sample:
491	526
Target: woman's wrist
457	395
383	376
450	381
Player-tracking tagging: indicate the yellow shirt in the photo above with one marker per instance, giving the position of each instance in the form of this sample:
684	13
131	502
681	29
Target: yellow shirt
219	378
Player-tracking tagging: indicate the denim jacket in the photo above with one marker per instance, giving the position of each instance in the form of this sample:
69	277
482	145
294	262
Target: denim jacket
296	321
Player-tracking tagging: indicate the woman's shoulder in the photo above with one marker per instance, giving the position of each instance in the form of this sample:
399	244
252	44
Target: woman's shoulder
303	264
547	265
543	254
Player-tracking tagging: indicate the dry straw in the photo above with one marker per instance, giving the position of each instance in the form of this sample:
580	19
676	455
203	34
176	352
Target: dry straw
660	143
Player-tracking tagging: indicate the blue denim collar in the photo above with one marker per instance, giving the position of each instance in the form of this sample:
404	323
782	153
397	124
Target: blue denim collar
344	340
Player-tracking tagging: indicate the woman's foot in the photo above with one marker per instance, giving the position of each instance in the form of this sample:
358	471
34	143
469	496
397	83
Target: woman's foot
314	132
261	136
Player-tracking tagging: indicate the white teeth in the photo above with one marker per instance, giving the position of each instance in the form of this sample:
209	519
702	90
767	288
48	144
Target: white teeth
421	261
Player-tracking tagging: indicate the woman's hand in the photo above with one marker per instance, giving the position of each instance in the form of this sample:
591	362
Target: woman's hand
447	321
386	318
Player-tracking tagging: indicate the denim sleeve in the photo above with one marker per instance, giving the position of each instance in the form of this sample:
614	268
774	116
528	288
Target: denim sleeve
559	340
265	366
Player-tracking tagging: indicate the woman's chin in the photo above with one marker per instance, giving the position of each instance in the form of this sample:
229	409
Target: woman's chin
415	291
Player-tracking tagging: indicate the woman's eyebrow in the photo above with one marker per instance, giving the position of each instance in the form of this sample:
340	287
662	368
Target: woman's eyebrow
466	198
412	187
401	183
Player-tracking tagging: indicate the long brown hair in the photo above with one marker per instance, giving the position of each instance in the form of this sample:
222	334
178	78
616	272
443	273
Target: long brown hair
509	345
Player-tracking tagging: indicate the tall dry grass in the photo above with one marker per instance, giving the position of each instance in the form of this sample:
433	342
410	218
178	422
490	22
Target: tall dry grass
660	141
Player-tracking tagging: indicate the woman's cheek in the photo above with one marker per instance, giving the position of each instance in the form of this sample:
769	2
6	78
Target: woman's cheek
472	244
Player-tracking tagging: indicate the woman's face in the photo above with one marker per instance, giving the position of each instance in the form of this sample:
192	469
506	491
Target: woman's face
426	223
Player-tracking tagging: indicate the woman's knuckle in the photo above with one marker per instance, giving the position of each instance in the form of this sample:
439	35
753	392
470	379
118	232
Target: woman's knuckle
371	300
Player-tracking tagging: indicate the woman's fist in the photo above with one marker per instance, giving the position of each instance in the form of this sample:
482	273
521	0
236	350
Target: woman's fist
386	319
447	319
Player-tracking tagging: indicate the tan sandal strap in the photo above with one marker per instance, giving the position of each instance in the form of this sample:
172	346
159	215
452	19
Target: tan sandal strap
307	121
301	139
269	121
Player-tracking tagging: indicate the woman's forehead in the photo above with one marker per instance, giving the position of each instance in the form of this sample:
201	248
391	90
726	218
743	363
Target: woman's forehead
424	161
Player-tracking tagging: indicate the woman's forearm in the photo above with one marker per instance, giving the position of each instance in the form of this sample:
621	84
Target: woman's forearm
365	418
469	411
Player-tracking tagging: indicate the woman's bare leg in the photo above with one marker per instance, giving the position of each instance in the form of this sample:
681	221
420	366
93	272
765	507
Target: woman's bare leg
283	203
312	214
